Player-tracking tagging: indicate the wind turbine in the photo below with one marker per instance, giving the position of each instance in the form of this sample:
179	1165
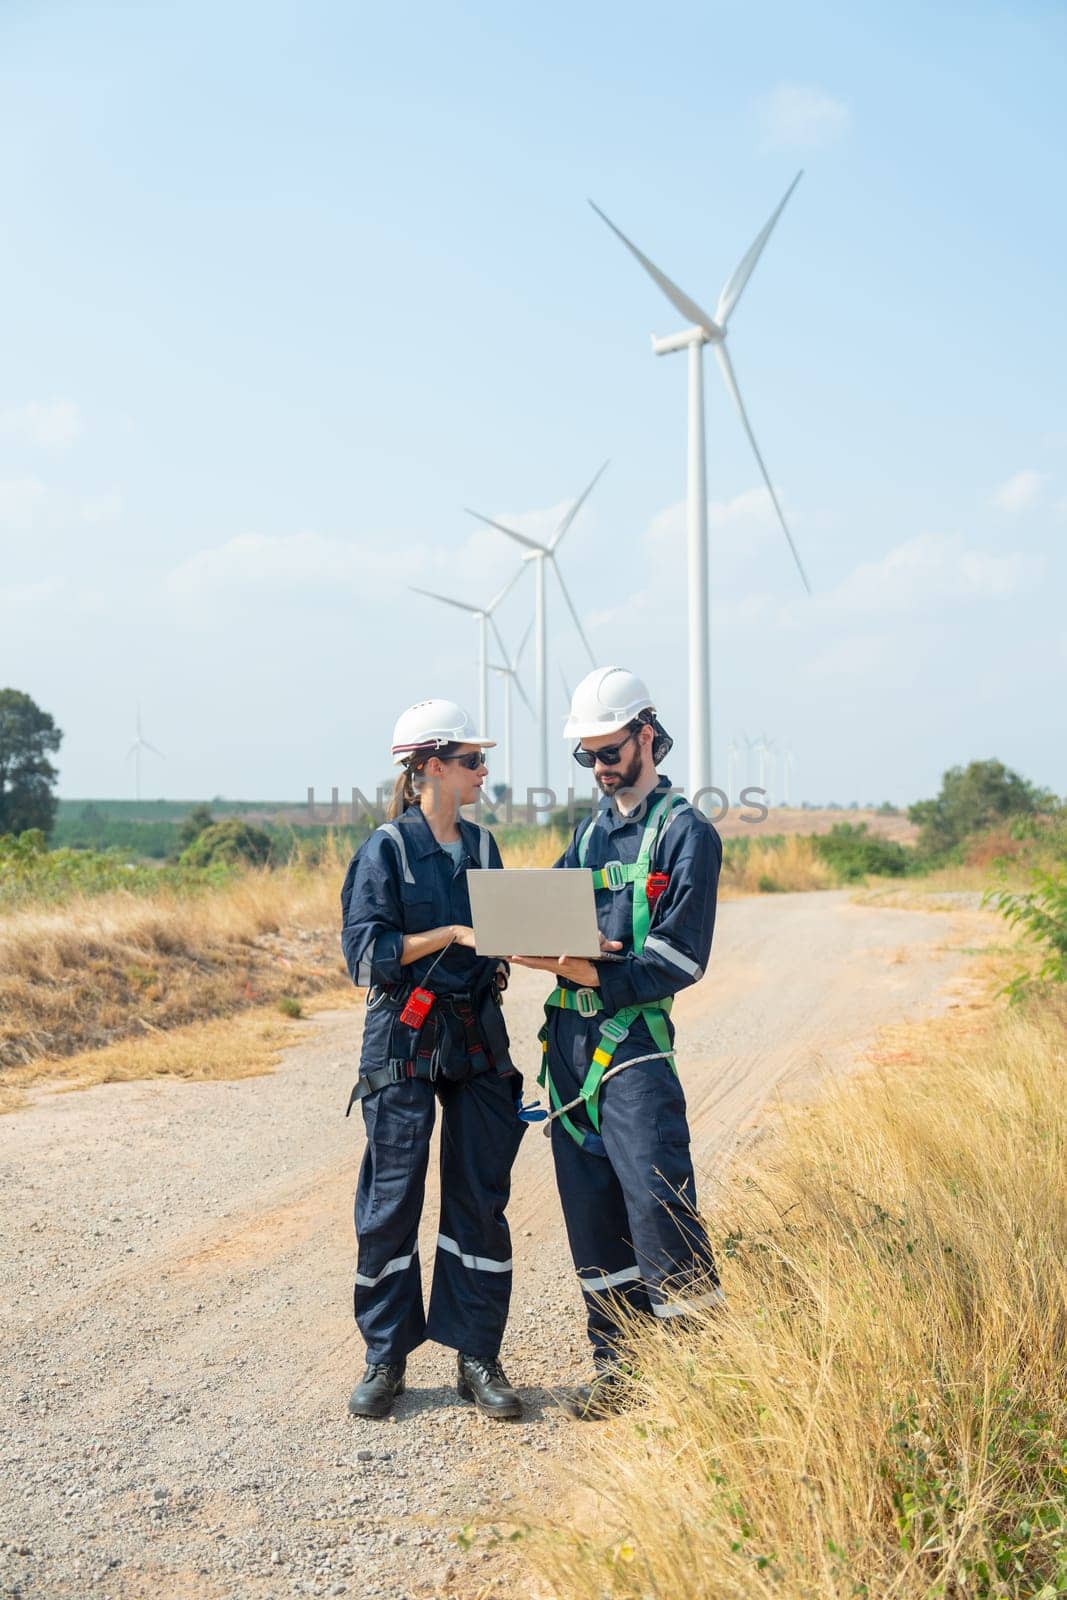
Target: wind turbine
510	674
733	760
485	618
705	329
139	744
539	554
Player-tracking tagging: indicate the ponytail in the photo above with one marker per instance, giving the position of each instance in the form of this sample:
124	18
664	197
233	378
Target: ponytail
406	788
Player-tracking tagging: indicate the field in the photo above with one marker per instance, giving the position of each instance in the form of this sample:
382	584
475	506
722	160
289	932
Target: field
882	1411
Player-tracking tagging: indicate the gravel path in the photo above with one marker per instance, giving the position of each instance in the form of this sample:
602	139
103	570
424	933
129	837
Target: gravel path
175	1272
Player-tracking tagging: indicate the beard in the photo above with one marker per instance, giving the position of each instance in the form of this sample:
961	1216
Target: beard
624	776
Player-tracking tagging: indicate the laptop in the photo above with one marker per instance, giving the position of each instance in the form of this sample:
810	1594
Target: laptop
534	911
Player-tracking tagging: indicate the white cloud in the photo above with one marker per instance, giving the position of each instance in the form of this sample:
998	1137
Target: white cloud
798	117
1021	491
102	507
930	568
51	424
21	500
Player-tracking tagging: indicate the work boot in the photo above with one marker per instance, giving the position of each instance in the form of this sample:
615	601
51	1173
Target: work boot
607	1395
483	1380
379	1386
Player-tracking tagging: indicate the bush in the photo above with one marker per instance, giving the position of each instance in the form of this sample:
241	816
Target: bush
852	852
232	843
1042	914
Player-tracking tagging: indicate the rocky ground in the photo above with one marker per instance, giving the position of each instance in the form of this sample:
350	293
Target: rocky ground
175	1271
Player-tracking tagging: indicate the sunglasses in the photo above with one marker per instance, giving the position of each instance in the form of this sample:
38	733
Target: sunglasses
472	760
609	755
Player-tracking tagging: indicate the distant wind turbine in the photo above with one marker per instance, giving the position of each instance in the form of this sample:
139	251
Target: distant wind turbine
705	329
485	617
539	554
509	671
139	744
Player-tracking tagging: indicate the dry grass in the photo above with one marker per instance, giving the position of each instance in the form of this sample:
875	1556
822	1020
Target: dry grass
883	1411
764	868
93	971
242	1046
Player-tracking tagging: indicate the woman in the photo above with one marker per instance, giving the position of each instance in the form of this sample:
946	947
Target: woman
433	1027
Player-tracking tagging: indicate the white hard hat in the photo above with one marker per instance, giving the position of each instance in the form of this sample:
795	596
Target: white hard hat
429	724
606	701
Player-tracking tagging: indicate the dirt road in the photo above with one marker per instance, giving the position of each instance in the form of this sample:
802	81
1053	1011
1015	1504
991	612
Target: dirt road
175	1270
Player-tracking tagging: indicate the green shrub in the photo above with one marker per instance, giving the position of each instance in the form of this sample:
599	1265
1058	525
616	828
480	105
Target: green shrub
232	843
852	852
290	1007
1042	914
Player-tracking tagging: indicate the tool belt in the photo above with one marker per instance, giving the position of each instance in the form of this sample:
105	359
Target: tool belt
462	1037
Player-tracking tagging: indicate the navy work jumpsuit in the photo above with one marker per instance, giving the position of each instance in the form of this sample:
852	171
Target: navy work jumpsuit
402	881
631	1211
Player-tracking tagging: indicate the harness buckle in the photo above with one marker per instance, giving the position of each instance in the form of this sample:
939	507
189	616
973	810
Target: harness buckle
614	1030
614	875
586	1003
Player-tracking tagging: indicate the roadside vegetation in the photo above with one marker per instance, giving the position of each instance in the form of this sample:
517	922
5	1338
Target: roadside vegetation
882	1410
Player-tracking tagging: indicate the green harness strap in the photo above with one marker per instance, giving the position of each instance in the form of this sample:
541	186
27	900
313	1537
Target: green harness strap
613	1030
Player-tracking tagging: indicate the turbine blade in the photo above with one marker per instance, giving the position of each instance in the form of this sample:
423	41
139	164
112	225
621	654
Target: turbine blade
731	384
146	746
566	685
677	297
735	284
524	641
532	544
525	699
500	642
574	613
446	600
132	751
506	590
575	508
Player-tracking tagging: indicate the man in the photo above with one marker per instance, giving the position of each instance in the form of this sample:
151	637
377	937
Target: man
622	1164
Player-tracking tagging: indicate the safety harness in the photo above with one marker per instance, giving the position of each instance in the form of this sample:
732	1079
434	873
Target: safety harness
647	886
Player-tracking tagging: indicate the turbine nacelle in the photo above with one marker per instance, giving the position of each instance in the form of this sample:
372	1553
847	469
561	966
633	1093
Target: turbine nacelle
688	336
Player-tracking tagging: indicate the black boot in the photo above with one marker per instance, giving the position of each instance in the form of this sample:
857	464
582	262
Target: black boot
483	1380
607	1395
375	1392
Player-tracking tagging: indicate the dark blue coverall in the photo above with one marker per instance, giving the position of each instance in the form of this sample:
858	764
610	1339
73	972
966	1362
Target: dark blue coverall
401	881
631	1213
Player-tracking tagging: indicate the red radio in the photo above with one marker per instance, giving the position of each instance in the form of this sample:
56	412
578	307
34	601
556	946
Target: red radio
655	884
417	1007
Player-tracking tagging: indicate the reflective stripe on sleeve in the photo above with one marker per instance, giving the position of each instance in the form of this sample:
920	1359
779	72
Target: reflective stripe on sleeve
669	953
398	839
476	1263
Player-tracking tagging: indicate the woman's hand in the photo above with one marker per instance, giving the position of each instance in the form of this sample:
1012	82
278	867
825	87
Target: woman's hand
462	936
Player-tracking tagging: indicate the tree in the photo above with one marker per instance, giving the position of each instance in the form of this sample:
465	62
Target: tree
972	799
27	734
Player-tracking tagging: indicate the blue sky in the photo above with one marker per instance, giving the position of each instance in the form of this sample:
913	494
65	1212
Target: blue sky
289	285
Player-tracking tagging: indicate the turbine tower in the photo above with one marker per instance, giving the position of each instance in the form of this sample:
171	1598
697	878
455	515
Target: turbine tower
705	329
485	617
540	554
510	674
139	744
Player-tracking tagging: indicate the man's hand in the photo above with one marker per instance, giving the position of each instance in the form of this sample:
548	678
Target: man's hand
576	968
